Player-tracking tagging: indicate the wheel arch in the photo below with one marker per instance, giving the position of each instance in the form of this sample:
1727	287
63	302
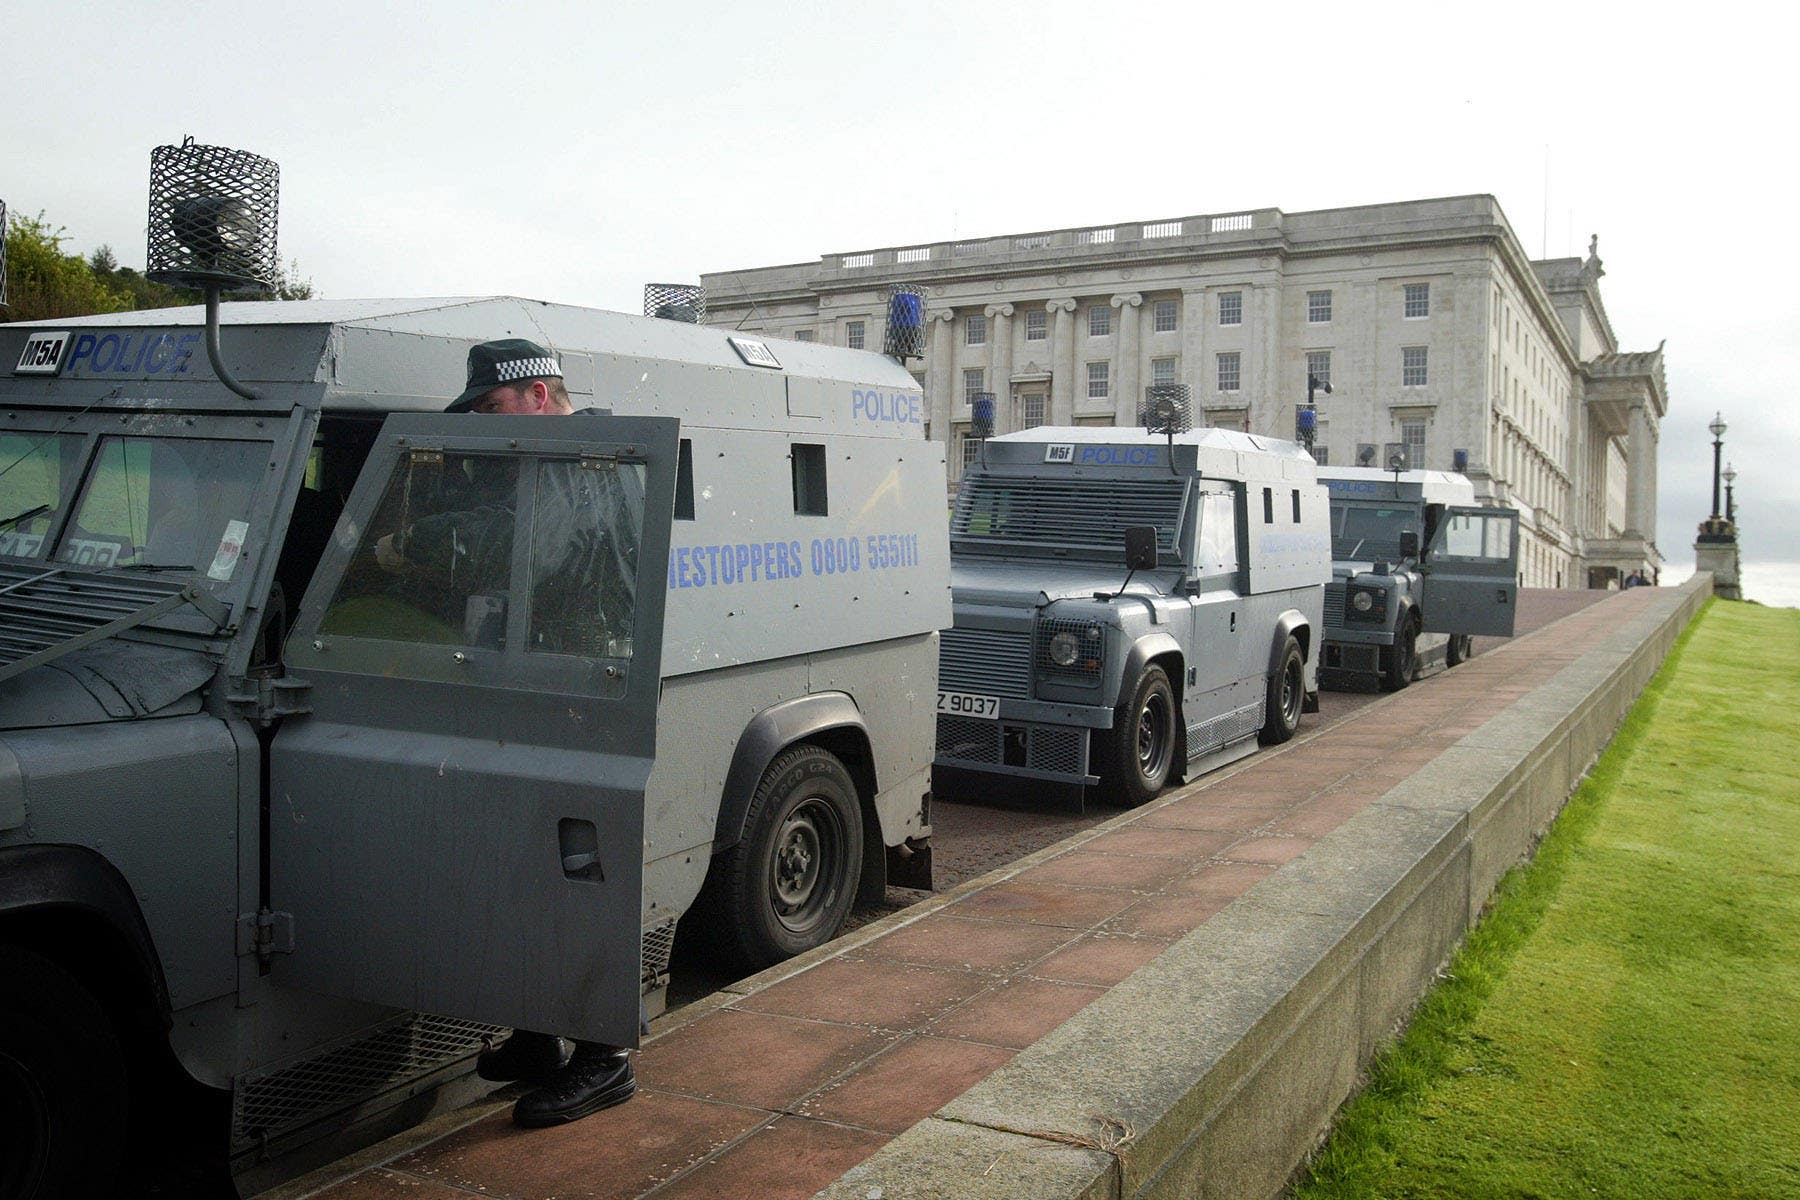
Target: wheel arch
1292	623
70	905
1161	650
829	720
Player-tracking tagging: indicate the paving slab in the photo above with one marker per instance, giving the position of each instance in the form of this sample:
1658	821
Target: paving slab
1170	1003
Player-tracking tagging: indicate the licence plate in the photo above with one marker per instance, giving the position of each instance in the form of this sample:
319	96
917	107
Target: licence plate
967	704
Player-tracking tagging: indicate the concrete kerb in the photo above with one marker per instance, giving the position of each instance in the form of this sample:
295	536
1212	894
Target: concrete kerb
1225	1058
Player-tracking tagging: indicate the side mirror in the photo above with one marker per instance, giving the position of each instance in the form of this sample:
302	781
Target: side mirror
1409	543
1140	548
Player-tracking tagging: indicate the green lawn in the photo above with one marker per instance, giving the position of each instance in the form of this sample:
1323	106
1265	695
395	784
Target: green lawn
1625	1022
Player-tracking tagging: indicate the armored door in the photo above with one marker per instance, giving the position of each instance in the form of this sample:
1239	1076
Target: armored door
1214	650
1471	572
456	825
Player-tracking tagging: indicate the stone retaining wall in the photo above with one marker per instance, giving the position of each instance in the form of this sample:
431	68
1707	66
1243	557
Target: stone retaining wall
1213	1070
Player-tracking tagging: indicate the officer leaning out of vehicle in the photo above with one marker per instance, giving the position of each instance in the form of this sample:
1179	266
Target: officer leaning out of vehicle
518	377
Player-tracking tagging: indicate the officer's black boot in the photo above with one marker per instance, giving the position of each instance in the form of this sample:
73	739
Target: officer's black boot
524	1055
598	1076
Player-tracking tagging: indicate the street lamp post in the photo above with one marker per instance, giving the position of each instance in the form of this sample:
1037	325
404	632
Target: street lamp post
1717	428
1730	504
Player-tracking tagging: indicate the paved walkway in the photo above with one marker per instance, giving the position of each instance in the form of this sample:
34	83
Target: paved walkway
778	1088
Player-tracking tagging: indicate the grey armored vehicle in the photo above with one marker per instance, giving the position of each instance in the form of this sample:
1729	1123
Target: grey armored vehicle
1418	570
285	834
1065	674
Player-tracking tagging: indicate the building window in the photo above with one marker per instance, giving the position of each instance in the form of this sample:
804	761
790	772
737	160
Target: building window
1037	325
1318	307
853	335
971	446
1231	308
1162	318
1099	380
1031	413
803	335
1318	365
1320	454
975	330
1412	366
1100	320
974	383
1412	444
1162	370
1418	299
1229	371
1237	418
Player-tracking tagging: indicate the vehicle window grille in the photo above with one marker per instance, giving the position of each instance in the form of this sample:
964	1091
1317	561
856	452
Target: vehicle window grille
988	662
42	606
1067	512
287	1097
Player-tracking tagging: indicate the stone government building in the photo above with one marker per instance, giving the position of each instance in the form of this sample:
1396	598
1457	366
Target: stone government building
1439	336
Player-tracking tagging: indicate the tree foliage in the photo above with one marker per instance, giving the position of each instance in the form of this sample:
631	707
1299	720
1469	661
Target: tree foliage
45	282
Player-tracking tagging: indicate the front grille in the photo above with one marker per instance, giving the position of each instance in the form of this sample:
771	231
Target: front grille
1056	749
968	740
988	662
415	1045
1334	602
1092	639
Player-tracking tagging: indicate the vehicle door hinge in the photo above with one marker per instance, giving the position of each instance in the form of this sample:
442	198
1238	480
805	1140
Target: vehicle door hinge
265	934
265	699
593	460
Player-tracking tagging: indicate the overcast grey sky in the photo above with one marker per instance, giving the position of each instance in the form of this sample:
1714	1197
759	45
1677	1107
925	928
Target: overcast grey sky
574	151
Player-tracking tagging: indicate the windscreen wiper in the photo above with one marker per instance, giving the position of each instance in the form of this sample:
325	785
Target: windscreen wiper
29	513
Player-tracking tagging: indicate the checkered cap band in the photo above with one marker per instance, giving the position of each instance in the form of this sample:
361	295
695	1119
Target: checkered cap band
526	368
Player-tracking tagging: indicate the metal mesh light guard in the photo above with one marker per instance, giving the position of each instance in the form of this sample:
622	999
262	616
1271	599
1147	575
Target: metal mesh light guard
675	302
905	322
213	215
1166	408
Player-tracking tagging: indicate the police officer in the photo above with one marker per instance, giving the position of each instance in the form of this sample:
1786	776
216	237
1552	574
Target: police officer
516	376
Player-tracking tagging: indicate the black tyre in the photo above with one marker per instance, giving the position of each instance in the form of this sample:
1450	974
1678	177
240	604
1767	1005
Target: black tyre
788	886
62	1084
1139	750
1460	650
1287	695
1397	660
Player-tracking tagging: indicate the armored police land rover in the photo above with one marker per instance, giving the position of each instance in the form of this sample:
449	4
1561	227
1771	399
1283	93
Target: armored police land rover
283	823
1065	672
1418	570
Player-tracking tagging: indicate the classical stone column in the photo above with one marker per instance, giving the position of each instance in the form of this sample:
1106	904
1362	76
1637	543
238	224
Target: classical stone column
1000	364
1639	500
1127	391
1062	361
940	388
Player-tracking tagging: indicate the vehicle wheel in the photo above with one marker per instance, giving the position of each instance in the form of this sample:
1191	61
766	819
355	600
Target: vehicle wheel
1287	693
62	1083
788	886
1140	748
1460	650
1397	660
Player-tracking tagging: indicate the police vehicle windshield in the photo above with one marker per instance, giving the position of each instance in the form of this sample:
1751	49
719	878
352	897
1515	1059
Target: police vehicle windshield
1368	533
1084	517
181	505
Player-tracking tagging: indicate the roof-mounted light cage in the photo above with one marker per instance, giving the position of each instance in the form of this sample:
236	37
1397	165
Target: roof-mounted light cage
213	215
981	415
1167	408
675	302
905	322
